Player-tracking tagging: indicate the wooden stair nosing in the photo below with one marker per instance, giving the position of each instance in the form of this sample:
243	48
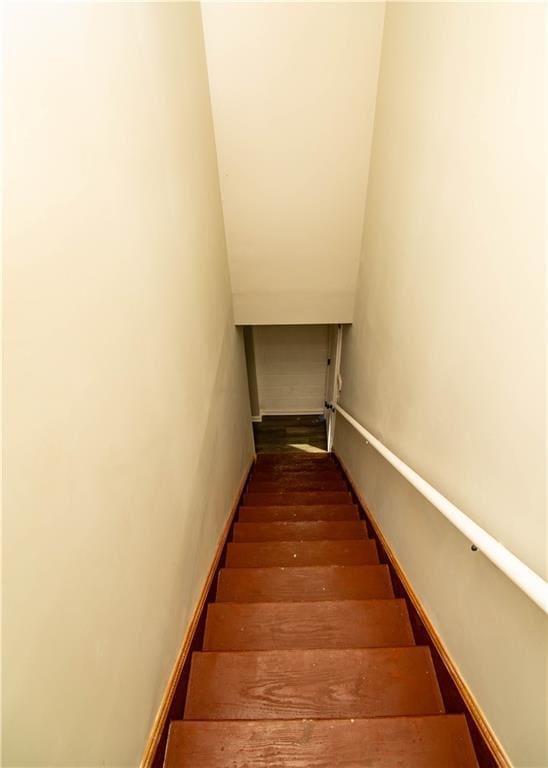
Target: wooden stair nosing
350	682
433	741
257	554
328	624
311	583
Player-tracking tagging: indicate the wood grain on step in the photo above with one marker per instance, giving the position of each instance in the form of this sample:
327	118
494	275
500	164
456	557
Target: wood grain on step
300	531
281	626
439	741
303	513
364	682
259	554
297	497
322	582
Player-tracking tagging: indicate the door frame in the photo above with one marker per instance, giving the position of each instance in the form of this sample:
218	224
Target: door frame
333	386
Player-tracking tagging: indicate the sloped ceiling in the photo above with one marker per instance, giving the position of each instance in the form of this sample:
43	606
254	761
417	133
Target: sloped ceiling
293	88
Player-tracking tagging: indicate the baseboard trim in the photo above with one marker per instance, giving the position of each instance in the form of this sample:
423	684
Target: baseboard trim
474	714
153	755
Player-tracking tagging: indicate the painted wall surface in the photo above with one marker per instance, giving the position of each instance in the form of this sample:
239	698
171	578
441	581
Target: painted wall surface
445	359
293	92
125	385
291	366
251	365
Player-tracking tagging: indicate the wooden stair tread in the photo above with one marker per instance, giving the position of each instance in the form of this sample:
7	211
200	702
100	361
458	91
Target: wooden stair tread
297	497
322	582
281	459
301	484
363	682
294	478
296	471
296	513
300	531
341	624
299	553
291	466
434	741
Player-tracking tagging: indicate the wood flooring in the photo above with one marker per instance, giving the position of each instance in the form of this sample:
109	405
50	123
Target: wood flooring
290	434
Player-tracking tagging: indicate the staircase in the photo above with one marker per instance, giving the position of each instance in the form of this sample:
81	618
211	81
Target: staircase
308	659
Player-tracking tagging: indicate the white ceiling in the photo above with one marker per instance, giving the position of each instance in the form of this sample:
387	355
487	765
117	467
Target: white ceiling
293	89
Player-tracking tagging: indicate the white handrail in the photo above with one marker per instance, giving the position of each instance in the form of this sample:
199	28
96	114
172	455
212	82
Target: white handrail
526	579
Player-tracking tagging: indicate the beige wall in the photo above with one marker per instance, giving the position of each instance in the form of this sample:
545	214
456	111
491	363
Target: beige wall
291	367
445	360
251	365
293	91
125	385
